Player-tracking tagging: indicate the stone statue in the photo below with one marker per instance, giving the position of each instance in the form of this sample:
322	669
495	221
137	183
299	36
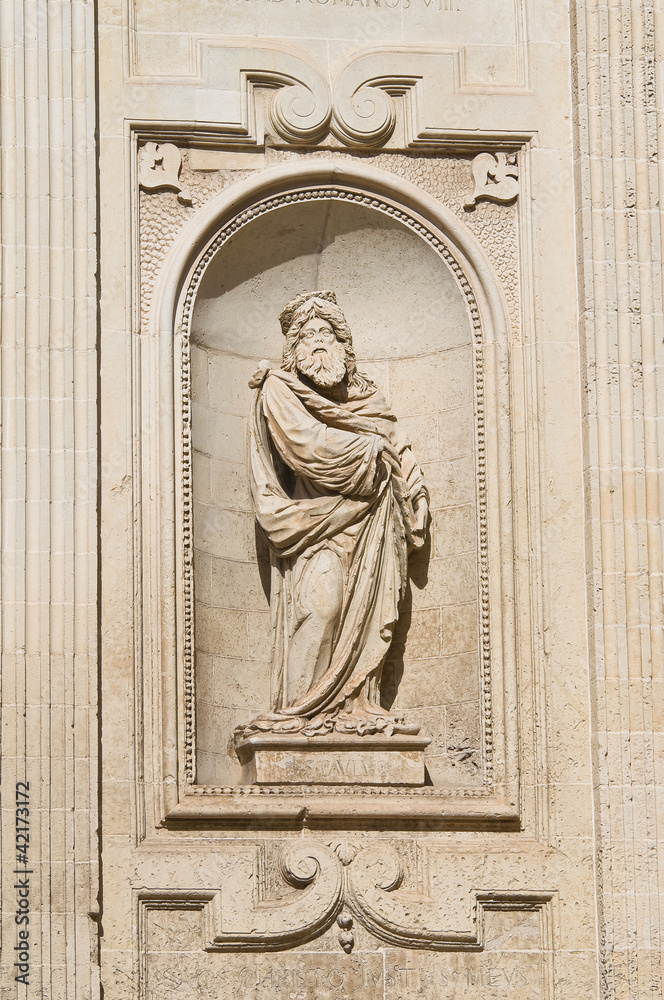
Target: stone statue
341	500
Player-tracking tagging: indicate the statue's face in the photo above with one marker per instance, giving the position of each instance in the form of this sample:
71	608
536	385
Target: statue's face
319	331
319	355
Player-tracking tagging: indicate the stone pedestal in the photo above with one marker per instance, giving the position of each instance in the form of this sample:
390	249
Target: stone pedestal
272	759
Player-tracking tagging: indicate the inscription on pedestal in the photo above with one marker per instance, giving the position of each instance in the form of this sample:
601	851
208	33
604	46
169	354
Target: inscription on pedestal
270	760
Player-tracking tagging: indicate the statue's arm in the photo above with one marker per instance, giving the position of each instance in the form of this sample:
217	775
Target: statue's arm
409	466
411	472
336	460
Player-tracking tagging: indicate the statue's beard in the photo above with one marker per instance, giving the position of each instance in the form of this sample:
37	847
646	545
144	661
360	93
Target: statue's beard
325	367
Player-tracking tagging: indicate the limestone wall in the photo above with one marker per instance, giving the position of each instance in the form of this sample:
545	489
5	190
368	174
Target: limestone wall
479	184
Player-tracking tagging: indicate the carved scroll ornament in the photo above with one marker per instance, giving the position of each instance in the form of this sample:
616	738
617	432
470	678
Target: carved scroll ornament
363	115
336	882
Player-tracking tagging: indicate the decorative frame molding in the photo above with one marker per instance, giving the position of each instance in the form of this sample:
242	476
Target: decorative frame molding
224	62
332	96
166	378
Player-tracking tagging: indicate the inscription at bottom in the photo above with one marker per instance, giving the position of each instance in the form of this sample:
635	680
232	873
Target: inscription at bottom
366	975
330	768
273	758
294	976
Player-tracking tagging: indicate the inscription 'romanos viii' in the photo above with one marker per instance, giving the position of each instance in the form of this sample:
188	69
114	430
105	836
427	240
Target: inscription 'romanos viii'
451	6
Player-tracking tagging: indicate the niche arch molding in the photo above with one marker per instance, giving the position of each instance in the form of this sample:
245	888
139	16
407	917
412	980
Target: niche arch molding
165	699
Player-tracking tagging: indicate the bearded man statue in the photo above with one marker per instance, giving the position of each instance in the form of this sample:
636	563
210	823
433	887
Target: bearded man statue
341	500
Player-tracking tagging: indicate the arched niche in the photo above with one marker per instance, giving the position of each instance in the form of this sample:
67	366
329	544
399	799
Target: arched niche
413	335
429	324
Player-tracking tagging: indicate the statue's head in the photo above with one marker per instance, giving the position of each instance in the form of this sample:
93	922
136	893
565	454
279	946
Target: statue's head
318	341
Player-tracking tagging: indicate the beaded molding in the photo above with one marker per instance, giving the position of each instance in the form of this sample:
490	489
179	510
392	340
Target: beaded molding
261	208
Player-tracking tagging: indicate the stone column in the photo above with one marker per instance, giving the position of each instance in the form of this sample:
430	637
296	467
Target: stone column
49	473
619	177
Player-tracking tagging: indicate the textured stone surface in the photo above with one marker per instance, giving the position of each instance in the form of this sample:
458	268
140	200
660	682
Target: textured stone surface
530	647
621	348
474	347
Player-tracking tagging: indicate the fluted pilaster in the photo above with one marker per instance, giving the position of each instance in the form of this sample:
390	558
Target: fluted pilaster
619	177
48	552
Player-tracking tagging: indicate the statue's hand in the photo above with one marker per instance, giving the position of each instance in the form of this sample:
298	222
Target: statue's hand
260	375
421	511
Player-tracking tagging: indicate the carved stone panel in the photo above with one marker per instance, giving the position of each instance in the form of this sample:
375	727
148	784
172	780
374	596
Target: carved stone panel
313	922
417	159
326	60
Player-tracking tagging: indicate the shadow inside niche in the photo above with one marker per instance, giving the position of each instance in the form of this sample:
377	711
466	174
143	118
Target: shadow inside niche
263	560
418	575
296	231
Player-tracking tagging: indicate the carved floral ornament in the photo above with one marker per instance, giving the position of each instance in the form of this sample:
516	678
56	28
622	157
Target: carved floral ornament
336	883
159	169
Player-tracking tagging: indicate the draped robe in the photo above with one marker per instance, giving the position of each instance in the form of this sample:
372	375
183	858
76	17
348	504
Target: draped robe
317	480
